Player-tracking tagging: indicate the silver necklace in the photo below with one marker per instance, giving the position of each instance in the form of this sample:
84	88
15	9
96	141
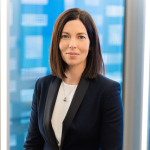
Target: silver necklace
65	98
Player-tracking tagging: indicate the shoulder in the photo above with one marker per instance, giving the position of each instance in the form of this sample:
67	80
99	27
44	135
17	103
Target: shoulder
105	87
110	92
104	82
44	82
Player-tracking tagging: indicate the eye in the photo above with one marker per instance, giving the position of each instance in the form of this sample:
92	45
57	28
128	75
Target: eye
81	37
64	36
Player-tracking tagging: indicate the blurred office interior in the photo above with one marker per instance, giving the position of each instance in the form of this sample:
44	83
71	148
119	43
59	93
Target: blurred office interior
26	30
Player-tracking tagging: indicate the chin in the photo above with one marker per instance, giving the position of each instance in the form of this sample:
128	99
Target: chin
71	63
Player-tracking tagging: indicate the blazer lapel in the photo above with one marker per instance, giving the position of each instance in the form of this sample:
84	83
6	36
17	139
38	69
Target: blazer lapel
74	106
49	106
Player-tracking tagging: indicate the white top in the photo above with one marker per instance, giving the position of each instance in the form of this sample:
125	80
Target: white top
61	107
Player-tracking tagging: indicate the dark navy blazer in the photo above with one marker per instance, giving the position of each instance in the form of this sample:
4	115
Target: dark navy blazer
94	120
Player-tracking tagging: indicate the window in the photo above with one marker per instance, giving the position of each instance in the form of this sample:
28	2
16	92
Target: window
31	25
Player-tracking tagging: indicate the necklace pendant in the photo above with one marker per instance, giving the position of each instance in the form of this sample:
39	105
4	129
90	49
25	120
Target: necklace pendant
64	99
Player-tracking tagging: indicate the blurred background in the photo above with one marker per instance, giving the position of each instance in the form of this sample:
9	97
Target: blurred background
31	26
122	32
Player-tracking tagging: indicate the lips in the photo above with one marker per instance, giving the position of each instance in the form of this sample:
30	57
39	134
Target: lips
73	53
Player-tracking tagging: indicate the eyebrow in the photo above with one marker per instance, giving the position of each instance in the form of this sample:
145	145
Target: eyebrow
77	33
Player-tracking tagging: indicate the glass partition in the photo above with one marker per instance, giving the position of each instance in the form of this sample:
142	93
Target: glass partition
148	141
31	26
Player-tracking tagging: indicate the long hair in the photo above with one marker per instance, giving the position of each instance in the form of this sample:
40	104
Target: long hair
95	63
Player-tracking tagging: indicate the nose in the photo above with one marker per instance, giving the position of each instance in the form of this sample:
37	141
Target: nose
72	43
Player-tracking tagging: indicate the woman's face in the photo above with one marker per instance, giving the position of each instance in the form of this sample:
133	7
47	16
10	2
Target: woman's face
74	43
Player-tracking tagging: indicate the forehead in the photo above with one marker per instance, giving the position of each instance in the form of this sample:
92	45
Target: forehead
74	26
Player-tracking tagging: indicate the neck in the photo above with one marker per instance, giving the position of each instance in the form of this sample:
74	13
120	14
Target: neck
73	74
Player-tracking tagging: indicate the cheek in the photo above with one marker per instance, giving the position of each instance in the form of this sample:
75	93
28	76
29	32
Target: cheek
63	46
84	47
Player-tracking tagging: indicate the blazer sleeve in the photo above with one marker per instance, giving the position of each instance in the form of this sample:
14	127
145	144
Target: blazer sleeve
34	139
111	129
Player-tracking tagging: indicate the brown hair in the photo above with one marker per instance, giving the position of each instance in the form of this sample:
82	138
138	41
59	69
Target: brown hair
95	63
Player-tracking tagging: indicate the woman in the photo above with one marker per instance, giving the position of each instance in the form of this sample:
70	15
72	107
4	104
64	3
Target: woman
76	107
